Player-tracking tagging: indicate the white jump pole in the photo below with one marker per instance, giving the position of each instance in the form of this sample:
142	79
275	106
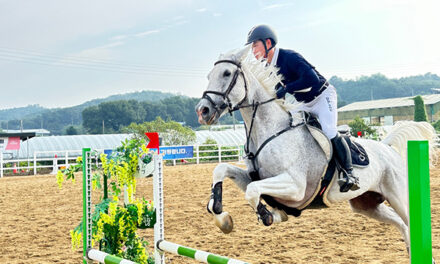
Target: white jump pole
90	254
160	244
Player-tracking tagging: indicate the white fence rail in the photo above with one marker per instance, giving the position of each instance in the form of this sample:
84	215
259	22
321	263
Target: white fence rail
62	158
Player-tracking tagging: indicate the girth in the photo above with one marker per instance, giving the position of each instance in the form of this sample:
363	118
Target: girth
253	156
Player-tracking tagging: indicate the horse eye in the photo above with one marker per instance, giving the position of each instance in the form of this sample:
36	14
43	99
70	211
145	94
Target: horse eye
226	73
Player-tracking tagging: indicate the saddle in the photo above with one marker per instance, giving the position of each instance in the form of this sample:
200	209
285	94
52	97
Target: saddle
359	156
319	199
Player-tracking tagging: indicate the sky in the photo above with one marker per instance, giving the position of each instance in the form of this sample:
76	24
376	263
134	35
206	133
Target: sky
59	53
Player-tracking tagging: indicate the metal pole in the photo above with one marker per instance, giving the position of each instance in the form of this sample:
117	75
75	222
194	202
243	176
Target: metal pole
35	163
419	202
27	155
219	153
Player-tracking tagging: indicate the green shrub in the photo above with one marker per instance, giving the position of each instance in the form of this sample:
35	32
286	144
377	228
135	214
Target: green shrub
419	109
358	124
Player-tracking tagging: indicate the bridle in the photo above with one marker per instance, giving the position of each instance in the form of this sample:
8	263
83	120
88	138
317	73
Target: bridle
227	104
226	101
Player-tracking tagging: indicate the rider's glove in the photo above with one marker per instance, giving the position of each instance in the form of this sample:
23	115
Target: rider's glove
280	90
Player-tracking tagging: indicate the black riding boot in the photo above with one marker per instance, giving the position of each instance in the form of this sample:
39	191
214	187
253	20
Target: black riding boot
348	181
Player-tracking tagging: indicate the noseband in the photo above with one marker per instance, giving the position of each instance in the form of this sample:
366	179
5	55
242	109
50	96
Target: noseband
226	101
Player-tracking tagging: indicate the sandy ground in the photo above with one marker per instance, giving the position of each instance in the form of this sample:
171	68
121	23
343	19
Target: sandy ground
36	217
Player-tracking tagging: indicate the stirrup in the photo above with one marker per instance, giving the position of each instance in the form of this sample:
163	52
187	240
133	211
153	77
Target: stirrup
348	182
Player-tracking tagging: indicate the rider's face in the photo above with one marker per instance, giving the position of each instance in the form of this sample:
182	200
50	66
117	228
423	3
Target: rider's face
258	49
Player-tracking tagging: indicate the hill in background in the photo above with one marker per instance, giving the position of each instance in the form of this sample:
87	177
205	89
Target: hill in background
181	108
378	86
33	110
56	119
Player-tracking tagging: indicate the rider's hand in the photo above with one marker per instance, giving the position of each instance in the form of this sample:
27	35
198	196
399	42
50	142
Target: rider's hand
280	91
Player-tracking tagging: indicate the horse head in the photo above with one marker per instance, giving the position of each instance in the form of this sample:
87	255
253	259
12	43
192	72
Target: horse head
227	87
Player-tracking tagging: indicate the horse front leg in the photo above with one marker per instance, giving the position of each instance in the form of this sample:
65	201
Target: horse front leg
282	186
240	177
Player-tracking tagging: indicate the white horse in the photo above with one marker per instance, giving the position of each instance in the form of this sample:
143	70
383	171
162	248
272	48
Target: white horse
291	164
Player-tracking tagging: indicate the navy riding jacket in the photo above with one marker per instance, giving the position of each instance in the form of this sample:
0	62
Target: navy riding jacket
300	77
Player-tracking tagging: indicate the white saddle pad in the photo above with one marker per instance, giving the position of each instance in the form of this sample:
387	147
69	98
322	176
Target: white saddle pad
322	140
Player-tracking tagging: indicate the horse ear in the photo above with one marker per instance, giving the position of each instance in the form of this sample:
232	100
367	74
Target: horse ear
242	53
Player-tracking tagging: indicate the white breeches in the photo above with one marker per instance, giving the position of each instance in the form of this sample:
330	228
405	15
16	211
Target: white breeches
325	107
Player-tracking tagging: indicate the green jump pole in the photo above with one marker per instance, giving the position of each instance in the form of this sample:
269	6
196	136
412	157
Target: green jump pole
419	202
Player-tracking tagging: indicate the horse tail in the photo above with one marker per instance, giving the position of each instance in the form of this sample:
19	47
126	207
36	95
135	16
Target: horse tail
403	131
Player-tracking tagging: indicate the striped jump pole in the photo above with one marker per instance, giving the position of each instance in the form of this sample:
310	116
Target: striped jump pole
106	258
160	244
419	202
90	254
195	254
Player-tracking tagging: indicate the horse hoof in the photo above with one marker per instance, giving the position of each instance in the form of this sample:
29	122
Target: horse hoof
224	222
279	216
264	215
210	205
267	219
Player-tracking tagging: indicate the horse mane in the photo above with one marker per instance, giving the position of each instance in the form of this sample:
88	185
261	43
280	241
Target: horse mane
268	76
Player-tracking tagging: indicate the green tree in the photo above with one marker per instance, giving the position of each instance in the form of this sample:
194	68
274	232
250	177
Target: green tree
357	125
378	86
115	115
171	132
436	125
419	109
71	130
92	120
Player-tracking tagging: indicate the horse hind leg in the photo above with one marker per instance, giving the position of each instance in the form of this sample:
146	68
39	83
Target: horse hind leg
399	202
371	204
282	186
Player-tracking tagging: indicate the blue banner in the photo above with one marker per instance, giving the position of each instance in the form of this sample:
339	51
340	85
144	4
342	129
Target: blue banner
180	152
108	152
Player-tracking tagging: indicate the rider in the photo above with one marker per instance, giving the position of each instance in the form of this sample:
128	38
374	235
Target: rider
308	86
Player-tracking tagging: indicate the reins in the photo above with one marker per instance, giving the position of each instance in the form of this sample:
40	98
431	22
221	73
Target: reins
255	105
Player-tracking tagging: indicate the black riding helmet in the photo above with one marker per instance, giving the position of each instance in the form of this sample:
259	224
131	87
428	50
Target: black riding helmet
262	32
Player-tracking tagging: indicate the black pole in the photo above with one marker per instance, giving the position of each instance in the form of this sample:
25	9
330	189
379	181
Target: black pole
105	186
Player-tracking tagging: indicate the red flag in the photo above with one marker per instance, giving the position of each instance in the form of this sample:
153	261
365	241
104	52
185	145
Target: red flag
154	140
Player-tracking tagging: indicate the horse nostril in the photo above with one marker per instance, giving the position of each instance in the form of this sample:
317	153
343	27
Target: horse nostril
205	110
